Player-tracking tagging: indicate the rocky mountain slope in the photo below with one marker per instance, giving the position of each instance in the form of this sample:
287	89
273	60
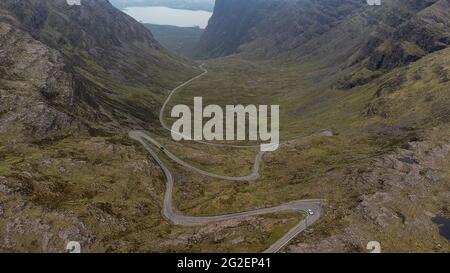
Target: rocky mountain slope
271	25
115	72
393	34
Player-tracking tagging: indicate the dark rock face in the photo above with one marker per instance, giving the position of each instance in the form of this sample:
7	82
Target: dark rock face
405	34
36	93
231	24
95	31
345	31
275	25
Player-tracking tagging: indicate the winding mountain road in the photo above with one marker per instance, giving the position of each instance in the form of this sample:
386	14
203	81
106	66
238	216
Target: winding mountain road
169	97
311	208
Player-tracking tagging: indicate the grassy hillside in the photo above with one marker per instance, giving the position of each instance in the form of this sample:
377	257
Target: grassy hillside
400	115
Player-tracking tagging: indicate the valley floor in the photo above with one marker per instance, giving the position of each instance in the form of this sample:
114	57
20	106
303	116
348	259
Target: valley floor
384	173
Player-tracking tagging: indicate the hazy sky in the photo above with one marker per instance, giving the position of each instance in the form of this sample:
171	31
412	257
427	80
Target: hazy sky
168	16
189	4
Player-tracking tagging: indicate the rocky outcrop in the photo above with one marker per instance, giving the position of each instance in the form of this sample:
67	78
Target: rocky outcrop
36	93
402	192
408	37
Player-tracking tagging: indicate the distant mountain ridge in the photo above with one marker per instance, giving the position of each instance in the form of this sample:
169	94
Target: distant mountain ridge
115	71
395	33
281	23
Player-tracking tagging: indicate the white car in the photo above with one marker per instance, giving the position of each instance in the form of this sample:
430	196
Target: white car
310	212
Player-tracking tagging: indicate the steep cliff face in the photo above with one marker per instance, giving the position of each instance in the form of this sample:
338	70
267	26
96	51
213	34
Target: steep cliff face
272	25
36	92
231	24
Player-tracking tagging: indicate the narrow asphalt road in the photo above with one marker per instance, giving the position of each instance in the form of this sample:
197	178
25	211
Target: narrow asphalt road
311	208
142	135
169	97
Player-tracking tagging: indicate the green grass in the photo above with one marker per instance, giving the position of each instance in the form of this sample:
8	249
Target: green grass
8	161
307	106
7	165
180	40
370	119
